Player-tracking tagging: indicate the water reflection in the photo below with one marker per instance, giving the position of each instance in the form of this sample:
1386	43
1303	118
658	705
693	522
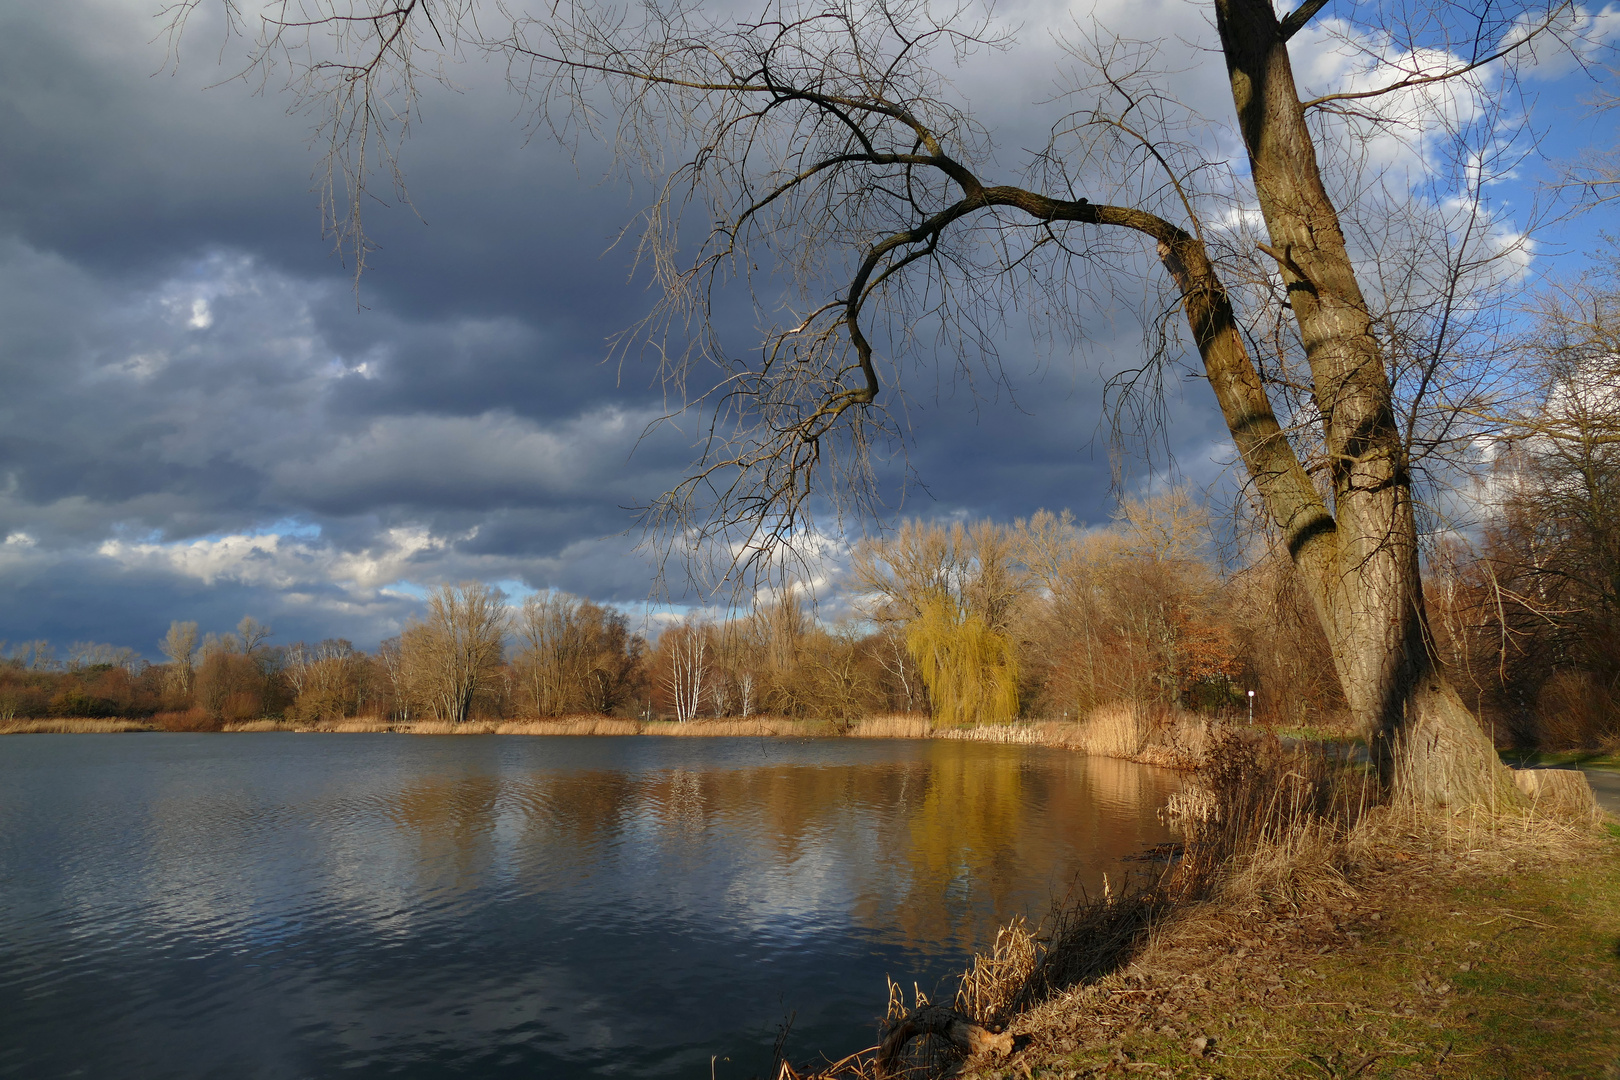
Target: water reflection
494	907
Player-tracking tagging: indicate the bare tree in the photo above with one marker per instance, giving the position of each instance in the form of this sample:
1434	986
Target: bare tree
390	657
740	665
1127	612
83	654
252	634
454	652
687	660
552	654
1533	613
866	158
892	656
328	680
825	148
180	646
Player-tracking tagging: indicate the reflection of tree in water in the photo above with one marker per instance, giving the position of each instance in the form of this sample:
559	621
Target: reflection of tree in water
929	851
684	805
454	819
961	839
971	822
567	820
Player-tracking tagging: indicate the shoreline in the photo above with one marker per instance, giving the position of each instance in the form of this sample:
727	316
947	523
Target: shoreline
1123	733
1446	960
1443	956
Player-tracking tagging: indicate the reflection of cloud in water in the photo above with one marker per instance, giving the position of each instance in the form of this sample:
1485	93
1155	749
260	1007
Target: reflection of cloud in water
939	846
311	906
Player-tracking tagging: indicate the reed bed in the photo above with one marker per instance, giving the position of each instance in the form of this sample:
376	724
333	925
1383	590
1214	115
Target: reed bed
71	725
896	726
764	726
570	725
1149	735
259	725
1154	737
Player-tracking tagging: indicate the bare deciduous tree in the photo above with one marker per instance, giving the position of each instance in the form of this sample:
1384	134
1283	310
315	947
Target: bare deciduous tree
686	675
180	646
252	634
454	652
552	656
1126	613
1532	615
328	679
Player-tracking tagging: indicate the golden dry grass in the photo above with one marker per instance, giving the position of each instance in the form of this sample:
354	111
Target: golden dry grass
1424	962
71	725
897	726
1139	733
1155	737
570	725
753	725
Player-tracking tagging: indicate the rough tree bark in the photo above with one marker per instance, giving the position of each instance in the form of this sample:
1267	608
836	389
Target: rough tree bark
1361	564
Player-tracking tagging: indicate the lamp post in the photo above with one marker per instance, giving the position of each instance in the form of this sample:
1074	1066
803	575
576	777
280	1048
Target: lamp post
1251	708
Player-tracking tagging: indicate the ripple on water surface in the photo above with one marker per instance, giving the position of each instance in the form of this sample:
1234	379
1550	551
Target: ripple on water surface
284	906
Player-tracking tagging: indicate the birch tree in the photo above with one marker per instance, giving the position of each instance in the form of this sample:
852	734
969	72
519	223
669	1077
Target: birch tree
686	673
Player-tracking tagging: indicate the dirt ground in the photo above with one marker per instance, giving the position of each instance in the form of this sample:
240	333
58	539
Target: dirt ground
1462	963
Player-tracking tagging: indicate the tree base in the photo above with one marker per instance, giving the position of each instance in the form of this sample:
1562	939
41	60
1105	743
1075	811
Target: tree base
1441	759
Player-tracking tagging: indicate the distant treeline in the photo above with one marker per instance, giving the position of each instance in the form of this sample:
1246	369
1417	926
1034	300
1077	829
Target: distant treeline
968	623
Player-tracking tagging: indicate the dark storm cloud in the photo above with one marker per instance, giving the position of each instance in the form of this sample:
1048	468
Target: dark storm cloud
199	422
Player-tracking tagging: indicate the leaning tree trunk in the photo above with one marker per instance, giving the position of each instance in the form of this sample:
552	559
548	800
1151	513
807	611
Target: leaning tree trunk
1359	561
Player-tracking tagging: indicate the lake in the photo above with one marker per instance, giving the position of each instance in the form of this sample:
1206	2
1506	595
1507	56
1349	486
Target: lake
284	906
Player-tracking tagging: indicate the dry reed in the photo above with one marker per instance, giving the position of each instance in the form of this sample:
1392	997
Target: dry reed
570	725
895	726
988	994
71	725
259	725
763	726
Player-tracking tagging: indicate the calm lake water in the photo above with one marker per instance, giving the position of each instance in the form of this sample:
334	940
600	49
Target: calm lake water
285	906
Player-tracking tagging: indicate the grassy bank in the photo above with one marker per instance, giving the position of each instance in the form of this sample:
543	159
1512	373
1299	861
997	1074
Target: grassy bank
1586	759
1303	931
1427	963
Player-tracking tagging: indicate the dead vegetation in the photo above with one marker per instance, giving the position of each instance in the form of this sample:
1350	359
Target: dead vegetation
1284	850
70	725
1150	735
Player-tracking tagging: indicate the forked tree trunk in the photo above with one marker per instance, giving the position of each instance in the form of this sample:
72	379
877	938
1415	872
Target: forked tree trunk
1359	559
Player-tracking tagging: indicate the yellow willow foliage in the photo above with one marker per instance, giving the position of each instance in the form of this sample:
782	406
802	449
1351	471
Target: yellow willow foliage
968	668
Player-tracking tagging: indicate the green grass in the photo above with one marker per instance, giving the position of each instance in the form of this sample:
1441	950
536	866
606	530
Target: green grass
1586	759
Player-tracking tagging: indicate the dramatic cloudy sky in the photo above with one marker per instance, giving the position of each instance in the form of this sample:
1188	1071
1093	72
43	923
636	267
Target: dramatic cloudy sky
197	421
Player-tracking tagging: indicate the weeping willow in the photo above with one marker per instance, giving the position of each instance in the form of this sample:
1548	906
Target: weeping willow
968	668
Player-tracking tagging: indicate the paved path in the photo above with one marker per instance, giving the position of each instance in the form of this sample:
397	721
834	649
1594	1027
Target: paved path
1606	786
